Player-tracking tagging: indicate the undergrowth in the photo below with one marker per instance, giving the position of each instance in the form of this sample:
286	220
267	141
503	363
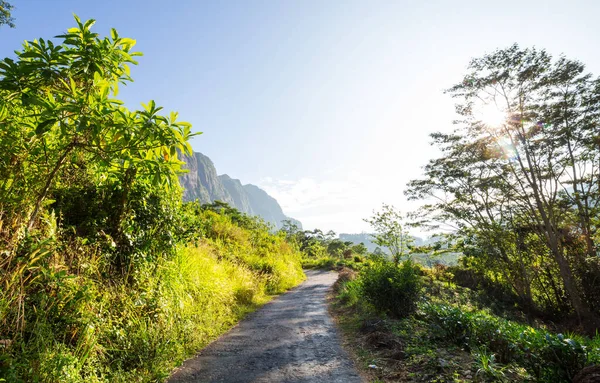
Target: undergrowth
355	262
80	325
453	336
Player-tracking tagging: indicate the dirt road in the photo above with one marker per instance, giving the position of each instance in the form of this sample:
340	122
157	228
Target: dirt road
291	339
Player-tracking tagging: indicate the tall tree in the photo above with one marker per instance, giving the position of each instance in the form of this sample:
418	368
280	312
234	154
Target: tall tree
60	118
533	170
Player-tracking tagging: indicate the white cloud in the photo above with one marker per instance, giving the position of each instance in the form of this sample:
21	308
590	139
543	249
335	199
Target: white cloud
338	205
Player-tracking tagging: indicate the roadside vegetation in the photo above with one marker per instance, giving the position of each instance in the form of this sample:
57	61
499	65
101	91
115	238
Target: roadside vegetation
516	191
410	324
324	251
105	275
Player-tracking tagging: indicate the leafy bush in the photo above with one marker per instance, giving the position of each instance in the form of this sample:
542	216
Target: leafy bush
546	356
392	289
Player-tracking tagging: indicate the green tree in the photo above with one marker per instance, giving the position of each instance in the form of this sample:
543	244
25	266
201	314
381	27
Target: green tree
359	249
315	249
337	247
61	122
528	177
389	231
6	14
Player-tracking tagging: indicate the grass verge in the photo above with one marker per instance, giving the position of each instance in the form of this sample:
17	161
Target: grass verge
82	325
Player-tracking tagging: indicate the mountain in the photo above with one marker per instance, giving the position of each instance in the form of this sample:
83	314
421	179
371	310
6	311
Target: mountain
238	194
202	183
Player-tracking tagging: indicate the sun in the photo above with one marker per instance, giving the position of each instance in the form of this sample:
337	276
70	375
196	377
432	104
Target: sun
491	115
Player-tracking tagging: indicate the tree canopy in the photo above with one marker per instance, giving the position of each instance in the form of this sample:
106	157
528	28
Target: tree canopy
519	176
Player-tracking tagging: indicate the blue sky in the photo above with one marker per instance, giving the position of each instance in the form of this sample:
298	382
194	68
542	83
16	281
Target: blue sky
325	104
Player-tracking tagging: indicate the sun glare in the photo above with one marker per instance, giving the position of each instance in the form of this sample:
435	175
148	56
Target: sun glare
491	115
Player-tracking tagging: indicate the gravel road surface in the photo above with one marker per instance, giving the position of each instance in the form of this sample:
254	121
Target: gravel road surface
291	339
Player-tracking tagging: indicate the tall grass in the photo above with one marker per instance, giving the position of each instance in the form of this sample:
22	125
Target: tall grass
80	323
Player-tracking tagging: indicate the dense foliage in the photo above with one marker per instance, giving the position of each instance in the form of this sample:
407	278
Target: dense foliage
452	331
106	276
390	288
521	191
6	14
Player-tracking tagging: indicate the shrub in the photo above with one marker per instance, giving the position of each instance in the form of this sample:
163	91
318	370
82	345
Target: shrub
547	357
392	289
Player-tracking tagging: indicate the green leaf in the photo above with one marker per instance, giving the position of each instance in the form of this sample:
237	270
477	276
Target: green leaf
30	54
89	24
45	126
129	43
4	65
78	20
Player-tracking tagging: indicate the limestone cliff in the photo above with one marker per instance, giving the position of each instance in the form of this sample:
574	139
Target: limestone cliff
203	184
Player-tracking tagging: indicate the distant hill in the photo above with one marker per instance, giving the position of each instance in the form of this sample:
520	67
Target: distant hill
358	238
367	240
202	183
448	259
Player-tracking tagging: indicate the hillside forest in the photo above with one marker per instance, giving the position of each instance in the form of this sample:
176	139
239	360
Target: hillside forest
107	275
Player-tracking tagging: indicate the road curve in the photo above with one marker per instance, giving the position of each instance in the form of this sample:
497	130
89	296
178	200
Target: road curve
291	339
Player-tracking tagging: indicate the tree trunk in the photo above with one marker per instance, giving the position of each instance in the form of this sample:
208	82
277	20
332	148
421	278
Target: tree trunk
586	318
47	185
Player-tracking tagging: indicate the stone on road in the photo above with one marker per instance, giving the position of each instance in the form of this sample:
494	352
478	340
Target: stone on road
291	339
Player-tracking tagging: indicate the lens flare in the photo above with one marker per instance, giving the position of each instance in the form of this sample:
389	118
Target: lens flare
508	149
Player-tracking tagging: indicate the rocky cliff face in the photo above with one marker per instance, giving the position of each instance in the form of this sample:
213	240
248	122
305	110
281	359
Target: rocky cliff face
193	189
266	206
203	184
238	194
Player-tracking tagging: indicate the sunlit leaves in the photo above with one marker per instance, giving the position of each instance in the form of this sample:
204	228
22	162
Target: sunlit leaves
531	173
58	103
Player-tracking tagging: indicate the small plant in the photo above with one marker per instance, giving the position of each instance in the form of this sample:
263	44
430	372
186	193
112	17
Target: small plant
488	368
